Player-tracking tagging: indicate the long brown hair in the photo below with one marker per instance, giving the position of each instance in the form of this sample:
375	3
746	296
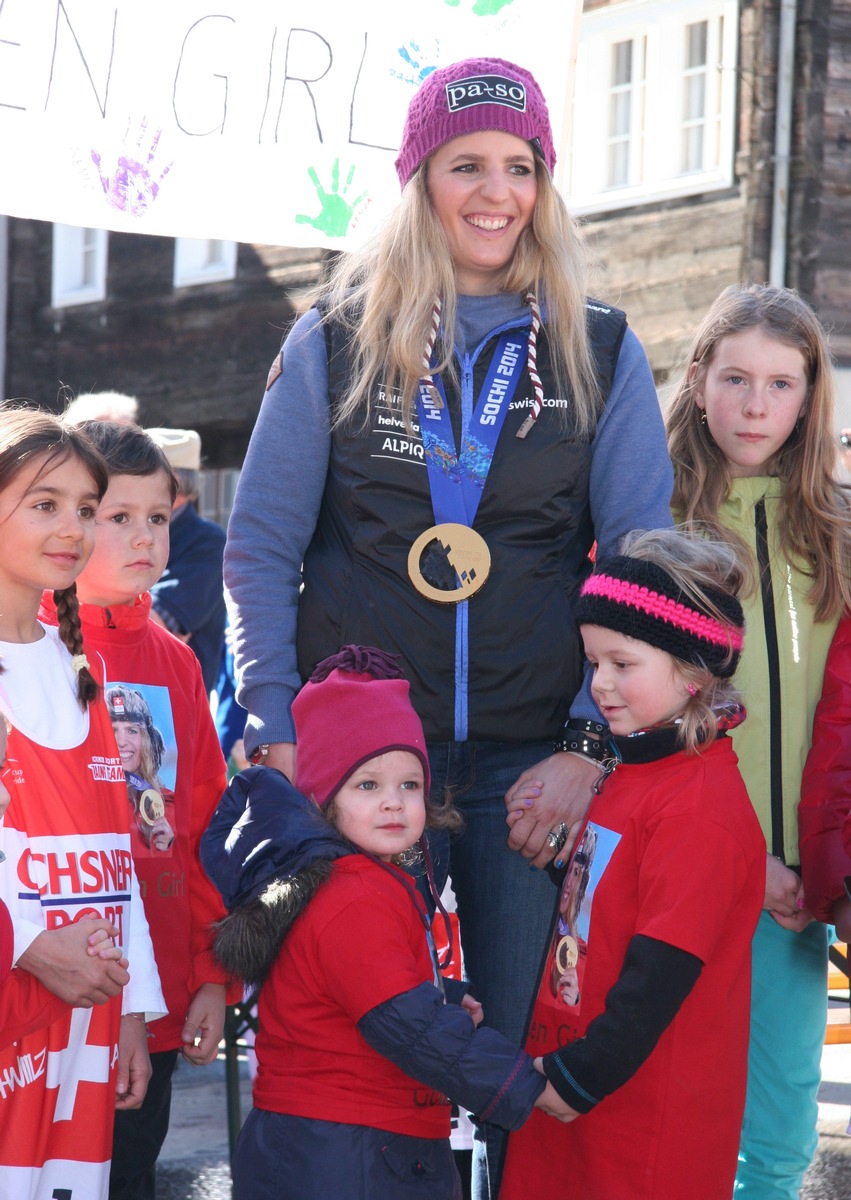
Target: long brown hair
28	435
815	518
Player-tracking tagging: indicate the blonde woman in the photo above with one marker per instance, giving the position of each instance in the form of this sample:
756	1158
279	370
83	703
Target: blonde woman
443	438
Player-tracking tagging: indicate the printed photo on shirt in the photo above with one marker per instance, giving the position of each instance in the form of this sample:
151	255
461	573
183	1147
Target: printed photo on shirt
569	945
143	724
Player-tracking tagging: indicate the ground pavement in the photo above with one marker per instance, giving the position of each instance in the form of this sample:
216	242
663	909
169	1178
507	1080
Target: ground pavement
194	1162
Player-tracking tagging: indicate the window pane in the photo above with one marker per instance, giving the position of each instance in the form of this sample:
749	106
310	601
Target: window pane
621	63
696	36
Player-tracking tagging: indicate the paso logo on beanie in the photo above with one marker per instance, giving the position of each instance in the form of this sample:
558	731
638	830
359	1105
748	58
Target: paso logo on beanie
485	89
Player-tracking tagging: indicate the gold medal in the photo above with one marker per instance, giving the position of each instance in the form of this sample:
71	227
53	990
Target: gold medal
151	806
449	563
567	954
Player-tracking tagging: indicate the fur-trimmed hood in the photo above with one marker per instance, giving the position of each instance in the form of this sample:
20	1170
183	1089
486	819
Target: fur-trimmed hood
267	849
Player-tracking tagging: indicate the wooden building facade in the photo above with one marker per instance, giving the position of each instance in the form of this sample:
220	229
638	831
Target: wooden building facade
197	355
665	261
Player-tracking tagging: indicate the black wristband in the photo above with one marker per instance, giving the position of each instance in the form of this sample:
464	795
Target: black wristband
589	738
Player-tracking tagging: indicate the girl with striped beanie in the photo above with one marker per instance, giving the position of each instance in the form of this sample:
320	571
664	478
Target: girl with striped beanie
661	942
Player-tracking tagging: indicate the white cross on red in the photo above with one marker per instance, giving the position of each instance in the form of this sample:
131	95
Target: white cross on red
78	1063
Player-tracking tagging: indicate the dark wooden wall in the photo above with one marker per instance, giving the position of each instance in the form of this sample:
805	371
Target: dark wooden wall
195	357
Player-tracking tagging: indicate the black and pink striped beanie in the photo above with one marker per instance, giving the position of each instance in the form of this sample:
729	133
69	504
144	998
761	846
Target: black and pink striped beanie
640	599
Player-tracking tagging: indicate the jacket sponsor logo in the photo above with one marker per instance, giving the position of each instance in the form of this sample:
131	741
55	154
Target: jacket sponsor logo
109	770
402	447
70	874
26	1069
547	402
485	89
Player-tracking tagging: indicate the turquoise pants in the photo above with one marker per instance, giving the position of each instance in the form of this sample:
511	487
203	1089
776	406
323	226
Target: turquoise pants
788	1017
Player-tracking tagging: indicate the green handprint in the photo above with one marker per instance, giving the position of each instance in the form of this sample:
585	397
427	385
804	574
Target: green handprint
336	213
481	7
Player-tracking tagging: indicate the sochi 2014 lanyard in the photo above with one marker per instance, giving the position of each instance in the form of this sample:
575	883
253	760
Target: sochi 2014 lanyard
449	562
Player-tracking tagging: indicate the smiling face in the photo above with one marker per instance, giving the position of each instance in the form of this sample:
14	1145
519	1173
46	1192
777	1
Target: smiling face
381	806
483	189
132	543
754	391
128	738
635	685
47	529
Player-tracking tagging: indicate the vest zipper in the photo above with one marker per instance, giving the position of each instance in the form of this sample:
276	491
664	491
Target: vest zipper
775	757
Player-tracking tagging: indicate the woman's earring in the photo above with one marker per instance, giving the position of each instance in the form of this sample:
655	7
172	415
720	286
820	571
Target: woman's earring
703	416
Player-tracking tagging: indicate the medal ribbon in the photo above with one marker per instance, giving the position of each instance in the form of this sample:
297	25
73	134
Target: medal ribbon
456	481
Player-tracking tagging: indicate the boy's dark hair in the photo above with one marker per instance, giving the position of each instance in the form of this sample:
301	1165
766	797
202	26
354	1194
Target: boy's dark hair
128	450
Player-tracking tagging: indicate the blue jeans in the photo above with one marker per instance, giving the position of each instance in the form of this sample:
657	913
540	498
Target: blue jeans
504	906
788	1016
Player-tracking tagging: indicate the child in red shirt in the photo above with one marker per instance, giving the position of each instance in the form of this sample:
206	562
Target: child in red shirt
357	1047
164	731
651	1052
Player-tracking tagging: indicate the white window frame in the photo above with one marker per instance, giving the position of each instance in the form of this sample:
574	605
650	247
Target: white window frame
78	266
203	260
656	134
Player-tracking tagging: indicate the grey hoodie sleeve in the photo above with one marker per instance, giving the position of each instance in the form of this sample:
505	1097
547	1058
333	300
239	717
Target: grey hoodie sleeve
275	512
631	473
438	1045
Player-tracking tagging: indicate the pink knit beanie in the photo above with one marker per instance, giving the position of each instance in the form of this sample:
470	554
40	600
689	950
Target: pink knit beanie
354	707
469	96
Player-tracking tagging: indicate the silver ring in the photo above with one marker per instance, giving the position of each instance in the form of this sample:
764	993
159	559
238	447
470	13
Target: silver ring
557	837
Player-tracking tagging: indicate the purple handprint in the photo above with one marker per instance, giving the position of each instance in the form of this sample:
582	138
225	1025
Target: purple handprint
133	186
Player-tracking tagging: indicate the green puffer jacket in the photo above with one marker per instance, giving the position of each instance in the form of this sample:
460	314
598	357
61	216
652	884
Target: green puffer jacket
781	671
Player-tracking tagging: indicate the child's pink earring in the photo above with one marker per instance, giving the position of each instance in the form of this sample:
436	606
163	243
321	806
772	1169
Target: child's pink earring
692	690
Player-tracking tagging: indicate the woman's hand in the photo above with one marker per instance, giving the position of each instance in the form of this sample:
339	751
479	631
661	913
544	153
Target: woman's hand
557	790
162	835
281	756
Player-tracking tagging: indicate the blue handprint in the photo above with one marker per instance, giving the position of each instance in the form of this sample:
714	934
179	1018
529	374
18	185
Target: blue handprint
336	213
413	56
133	187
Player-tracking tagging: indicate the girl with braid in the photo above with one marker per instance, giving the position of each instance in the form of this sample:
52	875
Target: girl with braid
68	872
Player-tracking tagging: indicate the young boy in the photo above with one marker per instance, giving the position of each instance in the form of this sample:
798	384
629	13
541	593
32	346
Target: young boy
175	776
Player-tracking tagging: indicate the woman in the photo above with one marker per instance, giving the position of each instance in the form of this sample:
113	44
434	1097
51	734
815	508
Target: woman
141	749
472	298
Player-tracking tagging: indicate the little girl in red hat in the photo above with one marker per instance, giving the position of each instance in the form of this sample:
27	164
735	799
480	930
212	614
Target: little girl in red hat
359	1045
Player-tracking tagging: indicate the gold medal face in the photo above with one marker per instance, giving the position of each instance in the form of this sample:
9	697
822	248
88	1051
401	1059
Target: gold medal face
567	954
449	563
151	806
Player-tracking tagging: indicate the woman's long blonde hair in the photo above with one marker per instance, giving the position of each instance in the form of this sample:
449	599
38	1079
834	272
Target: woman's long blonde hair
384	296
815	518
